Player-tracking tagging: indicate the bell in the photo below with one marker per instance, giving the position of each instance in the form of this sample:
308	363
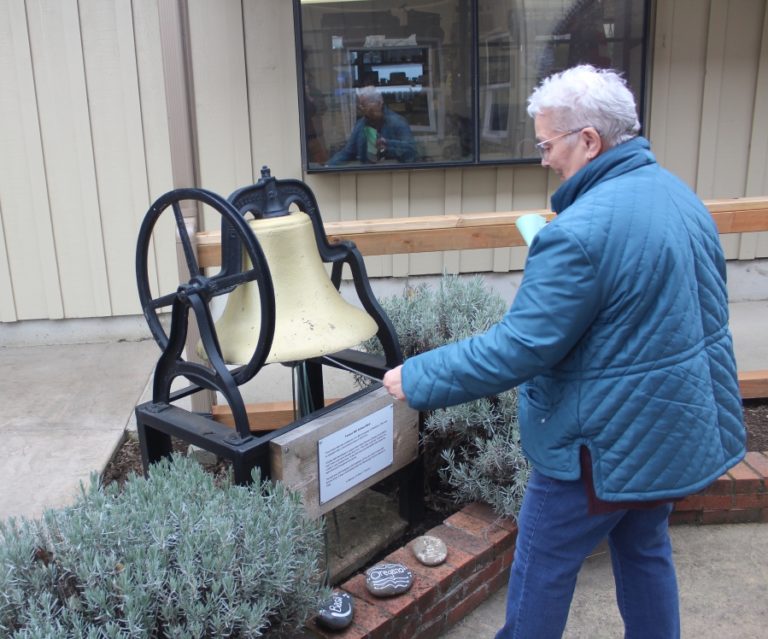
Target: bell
311	317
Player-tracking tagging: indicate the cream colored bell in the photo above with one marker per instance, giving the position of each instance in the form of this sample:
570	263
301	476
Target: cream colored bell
311	317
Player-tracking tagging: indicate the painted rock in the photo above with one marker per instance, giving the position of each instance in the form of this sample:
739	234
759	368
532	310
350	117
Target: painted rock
337	612
385	580
429	550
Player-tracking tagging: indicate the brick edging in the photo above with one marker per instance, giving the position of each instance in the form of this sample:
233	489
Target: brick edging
737	497
480	550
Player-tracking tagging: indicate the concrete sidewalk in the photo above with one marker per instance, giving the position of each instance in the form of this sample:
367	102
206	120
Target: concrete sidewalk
722	574
65	410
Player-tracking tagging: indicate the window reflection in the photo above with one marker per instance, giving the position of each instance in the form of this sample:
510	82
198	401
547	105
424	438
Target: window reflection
416	58
380	134
392	82
522	42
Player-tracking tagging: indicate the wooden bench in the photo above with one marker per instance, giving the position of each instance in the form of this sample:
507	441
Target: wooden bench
753	384
425	234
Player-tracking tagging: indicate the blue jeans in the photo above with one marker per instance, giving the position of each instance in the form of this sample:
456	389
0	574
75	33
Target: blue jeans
556	534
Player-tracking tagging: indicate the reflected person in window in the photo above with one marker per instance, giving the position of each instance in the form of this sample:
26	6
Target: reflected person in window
379	135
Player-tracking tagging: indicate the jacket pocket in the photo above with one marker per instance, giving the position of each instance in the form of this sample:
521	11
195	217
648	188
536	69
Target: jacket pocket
537	402
536	397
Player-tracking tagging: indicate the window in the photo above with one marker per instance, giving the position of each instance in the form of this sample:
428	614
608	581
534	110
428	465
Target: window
409	83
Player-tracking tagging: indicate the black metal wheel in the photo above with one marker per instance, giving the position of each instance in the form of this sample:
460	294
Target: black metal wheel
199	285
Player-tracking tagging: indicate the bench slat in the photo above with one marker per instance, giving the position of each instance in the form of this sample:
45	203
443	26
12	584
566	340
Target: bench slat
753	384
426	234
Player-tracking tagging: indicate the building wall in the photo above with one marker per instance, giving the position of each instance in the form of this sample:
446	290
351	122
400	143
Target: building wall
709	104
86	148
83	133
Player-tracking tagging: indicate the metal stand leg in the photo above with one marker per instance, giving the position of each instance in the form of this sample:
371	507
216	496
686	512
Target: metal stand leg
411	484
315	379
411	492
154	444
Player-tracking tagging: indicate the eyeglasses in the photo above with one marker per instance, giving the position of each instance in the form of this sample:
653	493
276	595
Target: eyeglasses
545	146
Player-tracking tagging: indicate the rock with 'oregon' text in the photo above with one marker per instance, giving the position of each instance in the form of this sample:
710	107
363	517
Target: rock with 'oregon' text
387	580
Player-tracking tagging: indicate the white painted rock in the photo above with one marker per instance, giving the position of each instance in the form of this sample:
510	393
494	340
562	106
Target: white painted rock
429	550
386	580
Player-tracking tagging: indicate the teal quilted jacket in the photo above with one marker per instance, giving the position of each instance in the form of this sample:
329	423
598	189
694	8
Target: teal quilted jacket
618	338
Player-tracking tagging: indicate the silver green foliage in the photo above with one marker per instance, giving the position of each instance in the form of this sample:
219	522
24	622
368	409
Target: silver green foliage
474	448
427	317
174	555
483	458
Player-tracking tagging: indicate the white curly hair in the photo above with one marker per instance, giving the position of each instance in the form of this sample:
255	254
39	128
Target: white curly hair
584	96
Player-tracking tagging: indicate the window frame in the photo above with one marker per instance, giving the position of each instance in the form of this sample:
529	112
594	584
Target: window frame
478	118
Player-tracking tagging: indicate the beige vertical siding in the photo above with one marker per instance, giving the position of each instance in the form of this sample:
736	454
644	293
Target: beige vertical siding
117	152
83	130
708	110
757	168
221	96
157	152
272	92
29	280
85	139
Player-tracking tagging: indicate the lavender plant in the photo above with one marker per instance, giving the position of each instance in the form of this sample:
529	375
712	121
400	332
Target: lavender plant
472	449
174	555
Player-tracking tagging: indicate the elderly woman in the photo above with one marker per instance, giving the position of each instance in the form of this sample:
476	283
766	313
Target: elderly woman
618	338
380	134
